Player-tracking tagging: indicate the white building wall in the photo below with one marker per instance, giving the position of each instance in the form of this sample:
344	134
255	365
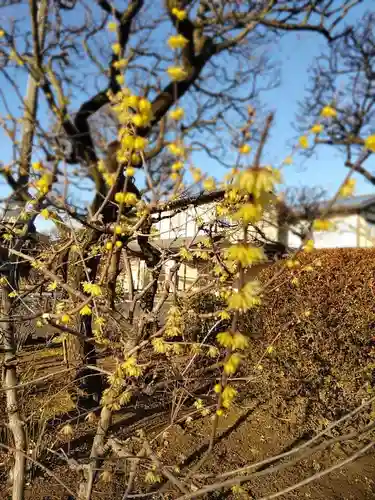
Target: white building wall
184	224
351	231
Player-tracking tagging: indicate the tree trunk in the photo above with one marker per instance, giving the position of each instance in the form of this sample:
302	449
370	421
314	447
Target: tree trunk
10	381
80	353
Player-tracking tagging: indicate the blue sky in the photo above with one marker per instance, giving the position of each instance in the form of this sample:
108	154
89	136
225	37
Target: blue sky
296	52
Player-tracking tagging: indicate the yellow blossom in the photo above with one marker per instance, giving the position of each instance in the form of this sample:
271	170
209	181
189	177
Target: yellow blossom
120	79
109	245
125	397
126	198
328	112
177	114
224	315
176	149
136	159
246	298
219	412
43	184
120	64
112	26
198	404
127	141
196	174
239	341
118	244
92	289
132	101
370	143
245	254
37	166
173	325
177	166
224	339
85	311
227	396
238	490
248	212
232	340
144	106
179	13
152	478
2	33
303	142
209	184
140	143
52	286
288	160
177	73
138	120
186	254
290	263
232	363
347	189
245	149
65	318
177	41
175	176
45	213
317	128
309	246
130	172
258	182
116	48
322	225
130	367
217	388
213	352
159	345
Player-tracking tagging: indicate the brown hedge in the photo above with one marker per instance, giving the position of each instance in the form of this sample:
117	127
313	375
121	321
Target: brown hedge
322	328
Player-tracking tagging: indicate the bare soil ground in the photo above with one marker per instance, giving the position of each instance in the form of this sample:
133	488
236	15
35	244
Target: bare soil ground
252	431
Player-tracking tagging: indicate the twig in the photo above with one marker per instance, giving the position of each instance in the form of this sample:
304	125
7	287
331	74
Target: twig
318	475
41	466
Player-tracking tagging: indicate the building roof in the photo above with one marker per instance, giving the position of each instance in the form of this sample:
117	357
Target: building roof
361	204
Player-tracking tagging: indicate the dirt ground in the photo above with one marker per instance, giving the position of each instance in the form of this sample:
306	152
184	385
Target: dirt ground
252	431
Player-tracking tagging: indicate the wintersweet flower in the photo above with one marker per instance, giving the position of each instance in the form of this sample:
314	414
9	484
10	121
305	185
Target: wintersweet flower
116	48
245	149
347	189
245	254
177	42
317	128
177	73
248	212
126	198
303	142
370	143
245	298
328	112
177	114
179	14
231	365
322	225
